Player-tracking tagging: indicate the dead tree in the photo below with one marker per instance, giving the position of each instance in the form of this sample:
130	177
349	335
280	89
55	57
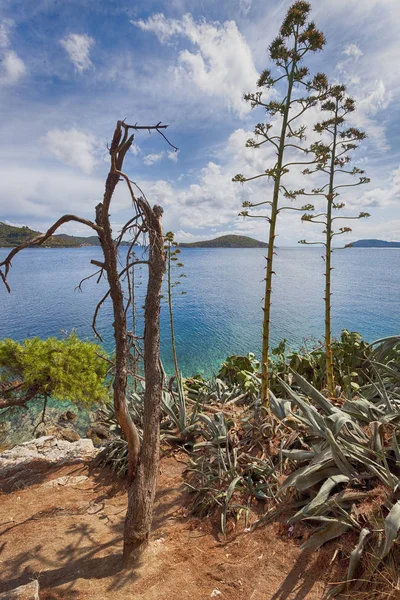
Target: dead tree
143	460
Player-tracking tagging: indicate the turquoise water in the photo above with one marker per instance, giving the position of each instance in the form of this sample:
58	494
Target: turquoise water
221	312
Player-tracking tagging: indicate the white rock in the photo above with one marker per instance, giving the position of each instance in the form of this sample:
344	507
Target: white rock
46	449
23	592
65	481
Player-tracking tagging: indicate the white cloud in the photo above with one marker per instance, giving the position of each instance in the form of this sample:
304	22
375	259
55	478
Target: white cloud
222	65
379	197
371	101
173	155
245	6
150	159
78	48
73	147
135	149
5	29
45	193
353	51
13	68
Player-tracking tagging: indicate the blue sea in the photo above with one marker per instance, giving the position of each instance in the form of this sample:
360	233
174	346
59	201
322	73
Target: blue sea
221	312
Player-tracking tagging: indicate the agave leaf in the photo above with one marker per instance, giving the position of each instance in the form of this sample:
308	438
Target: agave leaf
362	409
314	476
280	408
229	494
339	456
326	489
298	455
340	419
320	500
392	526
314	420
355	558
396	446
316	395
330	532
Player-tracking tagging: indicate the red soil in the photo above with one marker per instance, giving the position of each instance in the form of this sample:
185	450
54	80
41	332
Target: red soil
70	538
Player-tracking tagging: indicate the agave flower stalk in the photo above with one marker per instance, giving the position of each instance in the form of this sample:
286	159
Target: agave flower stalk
332	158
297	38
172	252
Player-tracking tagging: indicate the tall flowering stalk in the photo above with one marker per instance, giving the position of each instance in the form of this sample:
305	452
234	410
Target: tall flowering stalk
297	38
172	251
333	156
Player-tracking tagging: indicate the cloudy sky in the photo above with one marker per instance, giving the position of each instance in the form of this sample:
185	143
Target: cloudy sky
69	69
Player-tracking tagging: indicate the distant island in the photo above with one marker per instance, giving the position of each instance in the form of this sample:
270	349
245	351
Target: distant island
375	244
11	236
227	241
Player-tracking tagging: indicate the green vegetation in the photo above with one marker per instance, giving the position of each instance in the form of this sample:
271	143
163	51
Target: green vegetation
227	241
374	244
314	438
66	369
331	465
11	236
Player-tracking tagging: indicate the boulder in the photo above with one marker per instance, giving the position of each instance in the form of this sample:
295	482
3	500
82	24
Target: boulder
57	431
98	434
68	416
47	450
23	592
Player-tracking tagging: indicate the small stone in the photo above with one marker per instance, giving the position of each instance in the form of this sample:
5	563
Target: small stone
70	435
65	481
23	592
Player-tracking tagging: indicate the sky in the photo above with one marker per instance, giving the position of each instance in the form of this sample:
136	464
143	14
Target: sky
69	69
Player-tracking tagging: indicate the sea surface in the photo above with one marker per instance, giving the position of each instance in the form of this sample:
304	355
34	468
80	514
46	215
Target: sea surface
221	312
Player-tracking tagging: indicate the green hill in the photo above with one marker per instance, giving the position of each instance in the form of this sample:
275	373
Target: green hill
13	236
227	241
375	244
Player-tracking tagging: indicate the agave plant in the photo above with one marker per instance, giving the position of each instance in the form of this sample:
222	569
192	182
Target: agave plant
223	475
342	454
177	425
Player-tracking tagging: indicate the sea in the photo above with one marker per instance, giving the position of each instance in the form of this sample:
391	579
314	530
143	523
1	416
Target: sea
220	313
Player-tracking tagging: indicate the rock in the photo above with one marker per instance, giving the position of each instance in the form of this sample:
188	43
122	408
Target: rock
57	431
67	480
23	592
70	435
68	416
98	433
46	449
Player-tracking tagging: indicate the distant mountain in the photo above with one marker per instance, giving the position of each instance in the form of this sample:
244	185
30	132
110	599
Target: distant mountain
375	244
13	236
227	241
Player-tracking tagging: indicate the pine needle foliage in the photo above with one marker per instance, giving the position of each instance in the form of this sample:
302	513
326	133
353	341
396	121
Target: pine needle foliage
63	369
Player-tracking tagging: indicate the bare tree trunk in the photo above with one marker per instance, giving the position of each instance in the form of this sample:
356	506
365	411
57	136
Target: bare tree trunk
120	330
142	490
142	481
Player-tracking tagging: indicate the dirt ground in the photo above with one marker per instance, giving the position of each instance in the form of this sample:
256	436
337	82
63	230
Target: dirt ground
70	538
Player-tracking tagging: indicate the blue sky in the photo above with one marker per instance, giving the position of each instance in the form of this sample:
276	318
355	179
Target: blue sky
70	69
